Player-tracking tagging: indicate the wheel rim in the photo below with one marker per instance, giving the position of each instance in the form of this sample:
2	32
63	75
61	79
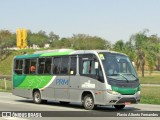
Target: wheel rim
89	102
37	97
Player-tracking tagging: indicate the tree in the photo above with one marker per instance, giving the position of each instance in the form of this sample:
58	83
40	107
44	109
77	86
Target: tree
53	37
86	42
130	51
154	51
82	42
42	33
146	50
124	47
39	38
119	46
7	39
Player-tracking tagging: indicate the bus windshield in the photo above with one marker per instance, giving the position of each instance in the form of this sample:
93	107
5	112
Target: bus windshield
118	66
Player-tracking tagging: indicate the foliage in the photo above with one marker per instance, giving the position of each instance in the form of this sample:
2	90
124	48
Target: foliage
39	39
53	37
146	49
125	47
86	42
82	42
6	40
142	49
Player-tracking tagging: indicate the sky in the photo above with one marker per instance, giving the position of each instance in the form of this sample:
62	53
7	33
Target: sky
111	20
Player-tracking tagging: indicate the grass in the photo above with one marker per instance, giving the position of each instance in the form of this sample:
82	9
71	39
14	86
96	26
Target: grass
150	79
150	94
2	90
2	86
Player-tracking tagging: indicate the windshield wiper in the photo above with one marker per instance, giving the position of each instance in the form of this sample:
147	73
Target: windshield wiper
122	76
131	74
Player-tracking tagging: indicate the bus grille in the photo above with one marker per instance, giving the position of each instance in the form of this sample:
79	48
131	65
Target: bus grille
123	100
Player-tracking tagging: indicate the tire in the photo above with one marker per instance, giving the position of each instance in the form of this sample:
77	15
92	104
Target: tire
88	102
37	97
119	107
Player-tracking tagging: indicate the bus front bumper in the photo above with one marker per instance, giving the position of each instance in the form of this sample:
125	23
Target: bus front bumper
119	99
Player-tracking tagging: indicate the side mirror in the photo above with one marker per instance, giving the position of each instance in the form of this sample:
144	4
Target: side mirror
96	65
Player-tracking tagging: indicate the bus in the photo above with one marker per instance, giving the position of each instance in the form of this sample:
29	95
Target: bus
88	77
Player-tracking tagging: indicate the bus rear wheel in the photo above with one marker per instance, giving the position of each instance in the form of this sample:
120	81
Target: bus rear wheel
119	107
88	102
37	97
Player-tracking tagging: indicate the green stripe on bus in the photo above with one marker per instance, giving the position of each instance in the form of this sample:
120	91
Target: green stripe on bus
27	56
56	53
18	79
126	91
32	82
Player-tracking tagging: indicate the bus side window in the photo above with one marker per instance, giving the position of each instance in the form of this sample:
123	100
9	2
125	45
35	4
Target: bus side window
48	66
100	74
27	64
88	67
57	65
18	66
41	65
30	66
64	65
73	65
32	69
44	65
93	71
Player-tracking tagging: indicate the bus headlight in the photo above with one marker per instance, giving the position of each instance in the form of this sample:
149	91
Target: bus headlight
139	92
112	92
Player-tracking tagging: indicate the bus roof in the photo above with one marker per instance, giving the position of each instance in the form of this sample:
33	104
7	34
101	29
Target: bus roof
61	52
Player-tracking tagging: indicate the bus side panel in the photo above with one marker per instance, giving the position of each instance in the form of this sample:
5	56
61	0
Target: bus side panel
22	92
48	93
74	89
61	88
100	93
23	85
97	88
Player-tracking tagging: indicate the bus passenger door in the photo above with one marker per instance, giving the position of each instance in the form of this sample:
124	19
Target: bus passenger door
74	80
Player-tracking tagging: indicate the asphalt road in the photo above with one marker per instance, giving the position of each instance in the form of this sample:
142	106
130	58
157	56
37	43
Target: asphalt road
9	102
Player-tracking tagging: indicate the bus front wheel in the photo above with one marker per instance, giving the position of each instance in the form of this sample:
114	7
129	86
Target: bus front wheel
119	107
88	102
